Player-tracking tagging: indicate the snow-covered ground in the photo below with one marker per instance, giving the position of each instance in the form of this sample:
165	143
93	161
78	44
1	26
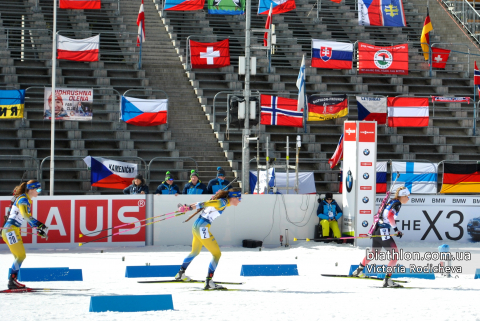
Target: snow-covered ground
308	296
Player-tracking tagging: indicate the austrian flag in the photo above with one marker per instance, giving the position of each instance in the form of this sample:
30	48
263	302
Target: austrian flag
80	4
78	49
280	111
209	55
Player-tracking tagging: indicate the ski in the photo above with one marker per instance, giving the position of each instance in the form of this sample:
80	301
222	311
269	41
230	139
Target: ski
29	290
237	290
191	281
416	287
363	277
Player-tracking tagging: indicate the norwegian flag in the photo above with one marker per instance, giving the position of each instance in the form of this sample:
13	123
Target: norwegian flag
268	25
210	55
141	26
278	111
338	155
476	78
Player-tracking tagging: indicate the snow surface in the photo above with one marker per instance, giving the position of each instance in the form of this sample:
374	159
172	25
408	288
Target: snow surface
308	296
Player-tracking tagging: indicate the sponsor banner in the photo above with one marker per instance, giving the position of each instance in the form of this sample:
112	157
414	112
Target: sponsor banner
69	216
70	103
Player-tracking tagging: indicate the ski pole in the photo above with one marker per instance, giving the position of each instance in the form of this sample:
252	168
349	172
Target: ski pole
342	238
110	228
118	233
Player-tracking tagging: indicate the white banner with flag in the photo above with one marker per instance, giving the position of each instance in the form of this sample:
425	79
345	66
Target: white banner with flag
70	103
419	178
306	182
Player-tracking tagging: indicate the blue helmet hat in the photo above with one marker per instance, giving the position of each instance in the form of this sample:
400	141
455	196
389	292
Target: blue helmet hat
235	194
220	172
35	185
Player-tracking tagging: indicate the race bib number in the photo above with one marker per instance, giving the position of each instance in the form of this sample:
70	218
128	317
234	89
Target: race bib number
12	238
330	214
385	234
204	233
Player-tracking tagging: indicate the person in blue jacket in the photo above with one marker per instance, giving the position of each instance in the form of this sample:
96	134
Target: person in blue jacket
218	183
138	186
195	185
329	213
167	187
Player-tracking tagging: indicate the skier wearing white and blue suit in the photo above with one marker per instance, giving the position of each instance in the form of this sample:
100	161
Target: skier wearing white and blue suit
218	183
329	213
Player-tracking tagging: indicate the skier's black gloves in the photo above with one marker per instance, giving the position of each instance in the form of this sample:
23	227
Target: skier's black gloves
42	233
399	233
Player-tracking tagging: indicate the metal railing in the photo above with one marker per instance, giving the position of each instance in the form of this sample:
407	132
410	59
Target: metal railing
466	14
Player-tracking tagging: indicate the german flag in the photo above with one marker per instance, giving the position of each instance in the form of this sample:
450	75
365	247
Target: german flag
461	178
425	38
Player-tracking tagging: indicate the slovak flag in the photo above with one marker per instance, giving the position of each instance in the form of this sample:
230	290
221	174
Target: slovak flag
332	54
144	112
372	108
206	55
110	173
278	111
278	6
407	112
338	155
184	5
78	49
476	78
80	4
141	26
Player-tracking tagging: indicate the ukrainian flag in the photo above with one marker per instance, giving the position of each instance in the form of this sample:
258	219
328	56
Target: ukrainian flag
12	104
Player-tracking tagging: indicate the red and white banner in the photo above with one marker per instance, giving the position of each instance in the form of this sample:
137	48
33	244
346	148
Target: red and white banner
80	4
69	216
209	55
78	49
407	112
382	60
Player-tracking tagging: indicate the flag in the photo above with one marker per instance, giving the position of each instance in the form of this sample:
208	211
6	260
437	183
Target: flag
325	108
338	155
278	111
78	49
268	25
144	112
226	7
420	178
301	86
141	26
387	13
12	104
332	54
109	173
80	4
381	182
407	112
425	38
336	1
372	108
209	55
183	5
382	60
279	6
439	57
476	78
461	178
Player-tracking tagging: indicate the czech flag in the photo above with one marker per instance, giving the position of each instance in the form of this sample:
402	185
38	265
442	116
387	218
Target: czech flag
144	112
278	6
109	173
78	49
184	5
372	108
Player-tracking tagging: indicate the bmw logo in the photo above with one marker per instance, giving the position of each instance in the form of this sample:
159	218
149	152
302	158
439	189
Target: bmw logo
366	152
364	223
365	199
349	181
366	176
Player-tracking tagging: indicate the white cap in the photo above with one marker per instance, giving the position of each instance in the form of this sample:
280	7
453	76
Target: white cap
404	192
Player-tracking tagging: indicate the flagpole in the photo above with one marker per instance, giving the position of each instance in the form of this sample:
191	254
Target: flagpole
474	105
54	96
141	43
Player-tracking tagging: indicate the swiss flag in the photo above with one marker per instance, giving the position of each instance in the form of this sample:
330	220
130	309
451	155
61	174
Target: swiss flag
439	57
80	4
209	55
280	111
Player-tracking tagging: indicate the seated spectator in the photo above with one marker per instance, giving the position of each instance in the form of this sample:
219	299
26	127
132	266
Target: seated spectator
194	186
218	183
329	213
138	186
167	187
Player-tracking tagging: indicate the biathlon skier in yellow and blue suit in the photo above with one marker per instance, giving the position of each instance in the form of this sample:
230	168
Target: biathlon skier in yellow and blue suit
21	210
201	231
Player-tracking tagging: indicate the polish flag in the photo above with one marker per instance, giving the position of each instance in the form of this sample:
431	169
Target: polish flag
78	49
80	4
407	112
141	26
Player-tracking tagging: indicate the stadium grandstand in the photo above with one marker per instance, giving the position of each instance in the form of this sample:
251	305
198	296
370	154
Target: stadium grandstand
197	135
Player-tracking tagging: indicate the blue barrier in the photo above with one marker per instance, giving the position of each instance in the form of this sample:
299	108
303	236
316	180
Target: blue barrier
131	303
407	274
151	271
269	270
477	274
49	274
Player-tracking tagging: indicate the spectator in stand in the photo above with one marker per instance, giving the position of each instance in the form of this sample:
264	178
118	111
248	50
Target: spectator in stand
218	183
167	187
329	213
138	186
194	186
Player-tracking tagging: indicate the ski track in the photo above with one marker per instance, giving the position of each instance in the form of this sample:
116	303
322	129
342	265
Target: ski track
305	297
